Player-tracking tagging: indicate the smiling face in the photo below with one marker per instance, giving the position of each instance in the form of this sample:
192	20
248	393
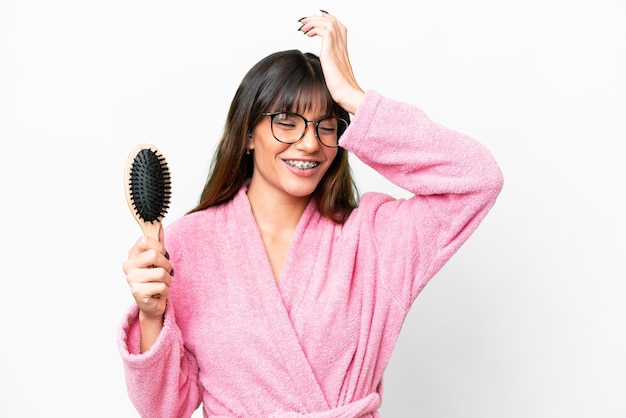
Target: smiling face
288	172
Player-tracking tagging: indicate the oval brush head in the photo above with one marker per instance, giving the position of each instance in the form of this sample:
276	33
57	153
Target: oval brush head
148	187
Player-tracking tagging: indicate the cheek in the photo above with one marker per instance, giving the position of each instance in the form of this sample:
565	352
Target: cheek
266	145
331	154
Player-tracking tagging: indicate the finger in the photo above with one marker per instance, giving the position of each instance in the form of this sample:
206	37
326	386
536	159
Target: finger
145	293
144	243
147	282
331	32
309	22
148	259
141	276
312	26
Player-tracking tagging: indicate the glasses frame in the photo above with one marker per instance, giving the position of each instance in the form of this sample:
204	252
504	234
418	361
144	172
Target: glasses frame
272	115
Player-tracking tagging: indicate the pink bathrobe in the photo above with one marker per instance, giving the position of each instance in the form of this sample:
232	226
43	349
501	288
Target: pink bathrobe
317	344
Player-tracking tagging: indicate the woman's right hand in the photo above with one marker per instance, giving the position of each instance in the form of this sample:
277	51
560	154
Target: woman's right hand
148	273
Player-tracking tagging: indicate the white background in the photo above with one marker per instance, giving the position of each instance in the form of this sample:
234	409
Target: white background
527	319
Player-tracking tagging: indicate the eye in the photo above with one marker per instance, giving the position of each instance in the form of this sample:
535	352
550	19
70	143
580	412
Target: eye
285	121
327	126
285	124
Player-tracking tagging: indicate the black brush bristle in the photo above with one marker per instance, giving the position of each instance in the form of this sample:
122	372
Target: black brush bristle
150	186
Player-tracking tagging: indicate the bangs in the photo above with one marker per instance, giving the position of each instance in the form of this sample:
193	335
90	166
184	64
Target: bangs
302	97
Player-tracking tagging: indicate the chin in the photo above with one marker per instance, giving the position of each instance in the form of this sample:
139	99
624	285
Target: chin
301	191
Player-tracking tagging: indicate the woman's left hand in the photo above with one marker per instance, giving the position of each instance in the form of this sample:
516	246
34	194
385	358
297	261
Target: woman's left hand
334	58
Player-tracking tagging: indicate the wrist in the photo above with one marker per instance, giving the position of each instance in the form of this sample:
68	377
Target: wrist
151	320
352	100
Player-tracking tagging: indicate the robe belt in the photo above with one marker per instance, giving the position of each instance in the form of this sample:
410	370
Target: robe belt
359	408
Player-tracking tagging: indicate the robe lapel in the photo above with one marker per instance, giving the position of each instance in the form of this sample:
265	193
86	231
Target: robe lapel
269	294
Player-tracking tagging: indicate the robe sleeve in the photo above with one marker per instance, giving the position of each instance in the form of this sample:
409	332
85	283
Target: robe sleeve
161	382
453	178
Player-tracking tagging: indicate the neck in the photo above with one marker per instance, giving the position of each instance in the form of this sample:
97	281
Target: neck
275	213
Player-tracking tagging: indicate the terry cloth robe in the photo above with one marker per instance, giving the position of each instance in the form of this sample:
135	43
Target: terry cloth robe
317	344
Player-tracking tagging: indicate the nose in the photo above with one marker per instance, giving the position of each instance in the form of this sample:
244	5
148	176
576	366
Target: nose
309	142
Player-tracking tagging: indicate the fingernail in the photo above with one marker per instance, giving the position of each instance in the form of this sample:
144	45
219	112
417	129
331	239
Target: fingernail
172	272
167	255
300	27
324	11
301	19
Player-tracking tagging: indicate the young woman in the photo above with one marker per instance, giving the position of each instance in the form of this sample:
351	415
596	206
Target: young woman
282	294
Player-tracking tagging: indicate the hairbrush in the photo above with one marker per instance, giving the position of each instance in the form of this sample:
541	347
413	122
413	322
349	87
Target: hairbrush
148	187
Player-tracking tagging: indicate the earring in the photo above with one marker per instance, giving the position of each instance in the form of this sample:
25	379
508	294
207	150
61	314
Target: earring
248	151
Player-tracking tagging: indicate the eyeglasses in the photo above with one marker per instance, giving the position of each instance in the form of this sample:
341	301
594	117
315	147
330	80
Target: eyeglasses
289	128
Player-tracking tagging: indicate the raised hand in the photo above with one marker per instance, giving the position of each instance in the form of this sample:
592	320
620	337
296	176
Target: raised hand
334	58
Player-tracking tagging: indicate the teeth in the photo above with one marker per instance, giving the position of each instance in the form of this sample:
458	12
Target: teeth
302	165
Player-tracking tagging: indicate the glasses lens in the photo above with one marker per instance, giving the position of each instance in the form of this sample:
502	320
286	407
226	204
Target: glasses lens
329	130
288	127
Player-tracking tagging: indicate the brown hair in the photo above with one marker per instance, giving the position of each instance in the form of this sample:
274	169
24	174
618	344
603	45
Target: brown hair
286	80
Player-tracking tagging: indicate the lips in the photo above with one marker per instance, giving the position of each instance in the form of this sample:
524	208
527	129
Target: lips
302	165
